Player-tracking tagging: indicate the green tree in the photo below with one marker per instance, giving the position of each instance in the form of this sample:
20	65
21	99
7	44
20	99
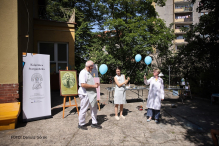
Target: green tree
133	29
198	60
85	17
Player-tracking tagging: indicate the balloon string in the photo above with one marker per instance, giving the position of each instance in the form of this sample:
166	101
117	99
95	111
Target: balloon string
146	69
132	69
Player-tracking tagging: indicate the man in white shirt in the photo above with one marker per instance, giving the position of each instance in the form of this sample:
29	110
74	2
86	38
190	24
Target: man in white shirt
88	96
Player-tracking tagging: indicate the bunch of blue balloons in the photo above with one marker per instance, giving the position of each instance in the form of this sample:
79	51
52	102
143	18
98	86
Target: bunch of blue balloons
147	59
103	67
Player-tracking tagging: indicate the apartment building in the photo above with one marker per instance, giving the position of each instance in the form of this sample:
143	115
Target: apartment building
180	13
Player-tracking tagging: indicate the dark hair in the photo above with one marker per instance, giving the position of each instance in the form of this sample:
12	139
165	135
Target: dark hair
119	68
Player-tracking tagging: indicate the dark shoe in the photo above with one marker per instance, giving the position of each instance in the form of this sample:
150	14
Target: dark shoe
82	127
156	121
96	126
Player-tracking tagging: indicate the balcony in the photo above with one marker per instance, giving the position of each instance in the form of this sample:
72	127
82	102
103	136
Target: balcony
176	1
180	41
183	10
184	20
178	31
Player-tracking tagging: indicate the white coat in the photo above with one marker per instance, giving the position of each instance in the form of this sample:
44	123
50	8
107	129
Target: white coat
156	93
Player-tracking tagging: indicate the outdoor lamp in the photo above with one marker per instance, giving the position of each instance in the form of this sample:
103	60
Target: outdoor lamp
161	74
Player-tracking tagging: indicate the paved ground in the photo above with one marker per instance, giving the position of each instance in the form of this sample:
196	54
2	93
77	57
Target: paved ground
187	124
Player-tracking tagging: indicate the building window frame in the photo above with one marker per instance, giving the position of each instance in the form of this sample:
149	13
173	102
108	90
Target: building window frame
56	61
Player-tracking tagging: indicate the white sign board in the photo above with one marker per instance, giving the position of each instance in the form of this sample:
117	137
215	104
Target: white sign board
36	87
95	70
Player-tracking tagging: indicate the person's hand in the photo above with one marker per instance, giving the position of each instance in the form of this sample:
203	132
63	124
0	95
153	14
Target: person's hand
128	79
162	99
145	77
96	85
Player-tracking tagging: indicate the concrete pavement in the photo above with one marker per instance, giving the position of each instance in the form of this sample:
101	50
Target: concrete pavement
187	124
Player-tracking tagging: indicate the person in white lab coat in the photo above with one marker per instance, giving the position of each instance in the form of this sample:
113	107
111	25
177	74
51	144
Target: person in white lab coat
155	95
88	96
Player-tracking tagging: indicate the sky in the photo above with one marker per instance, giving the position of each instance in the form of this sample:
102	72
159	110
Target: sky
95	28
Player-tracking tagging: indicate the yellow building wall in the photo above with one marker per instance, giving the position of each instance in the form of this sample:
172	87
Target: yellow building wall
24	34
47	31
8	42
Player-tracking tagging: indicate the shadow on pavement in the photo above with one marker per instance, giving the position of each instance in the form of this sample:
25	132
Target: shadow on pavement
134	100
21	124
196	116
125	112
100	119
74	111
101	106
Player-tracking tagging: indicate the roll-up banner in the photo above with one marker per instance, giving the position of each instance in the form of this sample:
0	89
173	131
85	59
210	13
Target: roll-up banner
36	87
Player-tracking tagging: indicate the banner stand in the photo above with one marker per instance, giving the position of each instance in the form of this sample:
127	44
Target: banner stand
38	118
36	92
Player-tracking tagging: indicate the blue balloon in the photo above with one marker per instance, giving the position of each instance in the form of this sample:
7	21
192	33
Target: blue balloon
103	68
137	57
148	60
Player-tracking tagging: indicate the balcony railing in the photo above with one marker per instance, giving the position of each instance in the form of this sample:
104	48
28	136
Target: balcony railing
178	31
182	0
189	9
184	20
180	41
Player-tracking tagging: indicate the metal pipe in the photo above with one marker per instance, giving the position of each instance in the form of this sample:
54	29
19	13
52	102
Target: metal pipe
169	76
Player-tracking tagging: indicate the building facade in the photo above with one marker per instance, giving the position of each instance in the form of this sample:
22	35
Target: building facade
21	30
180	13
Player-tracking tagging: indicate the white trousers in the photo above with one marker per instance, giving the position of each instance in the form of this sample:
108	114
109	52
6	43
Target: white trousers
85	104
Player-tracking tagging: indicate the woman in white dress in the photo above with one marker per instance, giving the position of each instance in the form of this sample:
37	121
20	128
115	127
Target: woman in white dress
155	95
120	93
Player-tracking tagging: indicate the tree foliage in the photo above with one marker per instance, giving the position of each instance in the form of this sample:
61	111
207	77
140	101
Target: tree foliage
133	29
198	60
85	16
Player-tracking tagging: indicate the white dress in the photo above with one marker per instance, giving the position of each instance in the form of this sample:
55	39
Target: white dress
156	93
120	93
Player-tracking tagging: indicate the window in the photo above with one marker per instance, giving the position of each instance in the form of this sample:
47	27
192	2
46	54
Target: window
183	17
179	37
203	13
58	55
187	7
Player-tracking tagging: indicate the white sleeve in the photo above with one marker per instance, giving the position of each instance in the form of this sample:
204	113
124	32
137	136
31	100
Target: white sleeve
82	77
147	82
162	90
